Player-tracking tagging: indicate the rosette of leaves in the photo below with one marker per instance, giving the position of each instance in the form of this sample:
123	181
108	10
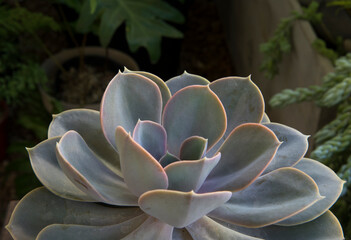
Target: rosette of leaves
185	159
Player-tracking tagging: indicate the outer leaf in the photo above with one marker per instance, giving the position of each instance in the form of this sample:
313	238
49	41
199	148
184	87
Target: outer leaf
141	171
190	175
144	25
245	154
326	227
329	185
186	79
152	137
87	123
152	228
206	228
187	114
273	197
242	100
265	118
110	232
186	207
293	148
193	148
86	171
41	208
129	97
165	92
111	19
48	171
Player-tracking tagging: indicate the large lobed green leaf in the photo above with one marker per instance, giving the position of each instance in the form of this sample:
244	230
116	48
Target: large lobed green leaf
145	23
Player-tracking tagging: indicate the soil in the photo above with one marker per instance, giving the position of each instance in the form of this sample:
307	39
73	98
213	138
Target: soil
84	87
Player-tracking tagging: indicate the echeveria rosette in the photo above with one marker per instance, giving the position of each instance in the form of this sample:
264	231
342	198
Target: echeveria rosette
185	159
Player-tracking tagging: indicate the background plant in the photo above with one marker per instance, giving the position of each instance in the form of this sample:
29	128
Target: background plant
146	22
20	73
280	43
333	141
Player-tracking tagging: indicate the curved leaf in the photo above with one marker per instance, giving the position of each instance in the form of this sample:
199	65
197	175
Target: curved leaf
265	118
86	171
245	154
185	208
193	111
186	79
48	171
129	97
206	228
326	227
165	92
87	123
329	185
110	232
111	19
273	197
190	175
294	146
242	100
152	228
141	171
152	137
168	159
193	148
41	208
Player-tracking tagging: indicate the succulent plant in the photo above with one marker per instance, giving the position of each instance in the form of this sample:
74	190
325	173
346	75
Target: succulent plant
181	159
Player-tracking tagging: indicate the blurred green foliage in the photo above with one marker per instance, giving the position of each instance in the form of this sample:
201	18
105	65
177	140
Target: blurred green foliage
146	22
19	73
280	43
333	141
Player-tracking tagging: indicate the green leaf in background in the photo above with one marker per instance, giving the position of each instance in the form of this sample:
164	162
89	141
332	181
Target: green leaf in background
86	17
145	23
93	5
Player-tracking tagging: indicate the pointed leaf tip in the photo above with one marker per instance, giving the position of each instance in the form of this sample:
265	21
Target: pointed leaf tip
187	207
141	171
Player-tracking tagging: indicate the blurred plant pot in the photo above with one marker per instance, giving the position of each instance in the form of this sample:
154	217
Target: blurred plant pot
4	113
93	56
